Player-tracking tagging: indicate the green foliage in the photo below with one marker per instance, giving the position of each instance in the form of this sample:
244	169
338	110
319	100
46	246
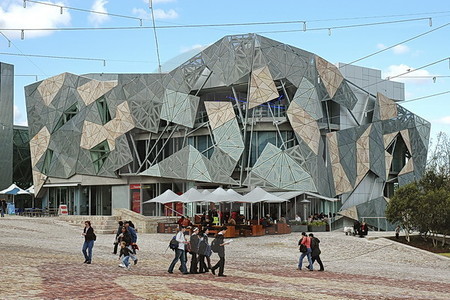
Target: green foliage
423	206
318	223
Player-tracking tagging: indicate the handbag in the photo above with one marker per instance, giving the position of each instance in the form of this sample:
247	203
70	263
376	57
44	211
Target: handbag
303	248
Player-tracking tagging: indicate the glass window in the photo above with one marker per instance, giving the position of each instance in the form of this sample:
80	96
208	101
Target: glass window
103	110
47	161
66	116
99	154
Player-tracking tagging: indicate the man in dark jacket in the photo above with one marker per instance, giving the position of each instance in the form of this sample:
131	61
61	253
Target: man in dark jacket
194	250
315	251
116	242
133	236
3	207
218	246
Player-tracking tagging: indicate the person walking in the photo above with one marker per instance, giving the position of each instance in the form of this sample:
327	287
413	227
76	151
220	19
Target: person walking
130	228
194	241
180	252
125	254
3	207
305	240
220	249
89	238
204	251
116	241
315	251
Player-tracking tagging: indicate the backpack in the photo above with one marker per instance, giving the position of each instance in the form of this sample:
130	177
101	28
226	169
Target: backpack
173	244
215	246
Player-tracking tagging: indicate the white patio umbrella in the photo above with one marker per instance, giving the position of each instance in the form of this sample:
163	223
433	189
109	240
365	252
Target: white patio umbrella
258	195
166	197
192	195
13	190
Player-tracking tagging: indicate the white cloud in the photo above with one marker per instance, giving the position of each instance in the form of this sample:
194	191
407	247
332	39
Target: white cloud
416	77
19	117
381	46
161	14
197	47
141	13
98	19
444	120
14	15
400	49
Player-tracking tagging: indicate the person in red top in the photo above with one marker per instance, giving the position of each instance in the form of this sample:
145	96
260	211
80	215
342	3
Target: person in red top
305	240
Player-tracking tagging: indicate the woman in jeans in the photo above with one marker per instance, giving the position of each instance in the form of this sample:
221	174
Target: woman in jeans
89	238
180	253
306	240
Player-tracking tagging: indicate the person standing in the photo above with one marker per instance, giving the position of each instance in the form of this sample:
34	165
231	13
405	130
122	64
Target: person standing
305	240
116	241
220	249
3	207
315	251
180	252
194	241
89	238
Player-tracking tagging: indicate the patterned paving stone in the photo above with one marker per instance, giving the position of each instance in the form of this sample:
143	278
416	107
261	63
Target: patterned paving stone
41	259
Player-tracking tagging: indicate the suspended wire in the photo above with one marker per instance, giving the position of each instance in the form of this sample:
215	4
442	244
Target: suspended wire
214	25
425	97
53	56
84	10
156	37
390	47
243	24
21	53
345	26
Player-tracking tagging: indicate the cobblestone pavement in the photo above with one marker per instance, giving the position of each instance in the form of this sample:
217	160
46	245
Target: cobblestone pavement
41	259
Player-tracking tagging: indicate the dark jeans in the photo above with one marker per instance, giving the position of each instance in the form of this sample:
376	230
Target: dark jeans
179	255
220	264
87	250
194	263
115	247
314	258
202	266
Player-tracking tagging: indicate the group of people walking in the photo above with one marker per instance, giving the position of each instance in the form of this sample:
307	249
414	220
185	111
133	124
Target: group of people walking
196	244
200	250
309	247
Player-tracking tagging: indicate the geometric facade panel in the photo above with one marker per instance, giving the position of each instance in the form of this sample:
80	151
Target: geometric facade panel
179	108
304	126
340	179
330	75
262	87
219	113
92	90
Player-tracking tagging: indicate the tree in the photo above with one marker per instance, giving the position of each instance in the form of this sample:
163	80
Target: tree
401	208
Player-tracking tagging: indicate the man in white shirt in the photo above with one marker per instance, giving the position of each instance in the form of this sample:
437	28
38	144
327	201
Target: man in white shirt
180	253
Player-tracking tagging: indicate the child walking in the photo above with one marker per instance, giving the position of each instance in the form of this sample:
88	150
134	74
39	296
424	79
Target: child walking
125	254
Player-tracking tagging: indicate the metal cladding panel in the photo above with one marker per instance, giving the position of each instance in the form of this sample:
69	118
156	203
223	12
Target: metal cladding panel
6	124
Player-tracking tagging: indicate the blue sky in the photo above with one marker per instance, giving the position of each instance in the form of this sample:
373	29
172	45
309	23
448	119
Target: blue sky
134	50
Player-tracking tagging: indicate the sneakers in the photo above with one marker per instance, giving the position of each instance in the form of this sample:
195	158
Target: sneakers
135	262
122	266
222	275
213	271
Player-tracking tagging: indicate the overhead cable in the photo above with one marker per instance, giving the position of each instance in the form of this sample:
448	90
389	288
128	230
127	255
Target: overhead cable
390	47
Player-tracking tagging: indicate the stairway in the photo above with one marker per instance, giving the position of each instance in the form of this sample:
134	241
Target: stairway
101	224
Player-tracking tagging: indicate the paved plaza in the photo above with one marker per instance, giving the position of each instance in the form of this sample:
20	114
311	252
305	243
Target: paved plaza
41	259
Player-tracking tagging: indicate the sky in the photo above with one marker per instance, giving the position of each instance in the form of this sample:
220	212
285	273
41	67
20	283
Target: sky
338	31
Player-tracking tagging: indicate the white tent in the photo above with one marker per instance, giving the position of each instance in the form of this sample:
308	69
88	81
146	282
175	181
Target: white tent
166	197
220	195
259	195
192	195
30	190
13	190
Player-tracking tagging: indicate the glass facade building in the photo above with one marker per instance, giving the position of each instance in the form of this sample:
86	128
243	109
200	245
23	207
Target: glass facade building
247	111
